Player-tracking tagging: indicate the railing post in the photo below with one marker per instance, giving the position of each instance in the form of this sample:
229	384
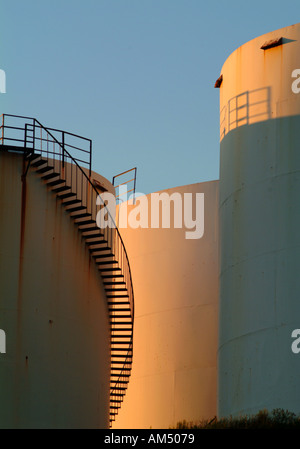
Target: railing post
3	129
33	135
25	135
134	185
63	148
90	171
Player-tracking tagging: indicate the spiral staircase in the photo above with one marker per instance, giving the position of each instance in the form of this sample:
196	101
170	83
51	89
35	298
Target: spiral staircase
47	153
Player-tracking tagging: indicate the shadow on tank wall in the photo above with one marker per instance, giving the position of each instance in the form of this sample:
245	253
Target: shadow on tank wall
244	109
259	265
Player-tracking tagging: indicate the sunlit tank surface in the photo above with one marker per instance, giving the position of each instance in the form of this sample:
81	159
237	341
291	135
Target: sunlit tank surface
259	226
56	369
174	375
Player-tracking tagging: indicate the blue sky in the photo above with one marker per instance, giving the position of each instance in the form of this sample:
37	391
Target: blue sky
135	76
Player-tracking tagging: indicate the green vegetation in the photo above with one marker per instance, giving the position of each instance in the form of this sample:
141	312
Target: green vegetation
277	419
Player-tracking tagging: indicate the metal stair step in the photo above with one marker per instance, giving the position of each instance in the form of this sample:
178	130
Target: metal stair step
119	309
73	211
59	189
109	270
119	370
103	256
117	289
30	155
55	183
113	315
122	337
72	203
119	335
66	195
112	276
117	296
81	215
96	242
119	362
114	283
122	316
91	229
37	161
118	388
127	336
128	342
113	387
50	176
106	262
44	170
123	346
84	223
97	237
99	250
119	383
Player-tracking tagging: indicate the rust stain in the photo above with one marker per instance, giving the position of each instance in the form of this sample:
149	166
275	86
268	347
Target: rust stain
23	214
20	293
22	232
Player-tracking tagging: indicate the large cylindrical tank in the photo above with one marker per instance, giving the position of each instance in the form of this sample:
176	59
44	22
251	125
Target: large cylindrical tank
259	225
53	309
175	278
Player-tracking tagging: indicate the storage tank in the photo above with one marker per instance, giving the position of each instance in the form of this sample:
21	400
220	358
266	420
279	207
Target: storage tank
55	372
259	225
175	277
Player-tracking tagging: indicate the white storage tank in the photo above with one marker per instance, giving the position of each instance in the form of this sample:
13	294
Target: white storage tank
259	225
174	374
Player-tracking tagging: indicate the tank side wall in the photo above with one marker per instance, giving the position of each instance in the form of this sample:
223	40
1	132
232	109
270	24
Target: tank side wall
175	280
56	370
259	218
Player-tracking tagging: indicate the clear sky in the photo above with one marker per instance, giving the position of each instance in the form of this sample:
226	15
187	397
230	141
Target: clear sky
135	76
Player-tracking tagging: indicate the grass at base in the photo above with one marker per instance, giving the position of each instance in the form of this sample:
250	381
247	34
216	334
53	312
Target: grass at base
277	419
